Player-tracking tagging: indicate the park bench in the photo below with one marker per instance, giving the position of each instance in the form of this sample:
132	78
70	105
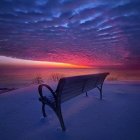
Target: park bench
67	88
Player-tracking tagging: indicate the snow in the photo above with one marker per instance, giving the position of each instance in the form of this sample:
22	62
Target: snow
116	117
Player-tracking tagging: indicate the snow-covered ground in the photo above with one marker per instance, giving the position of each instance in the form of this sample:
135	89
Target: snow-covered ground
116	117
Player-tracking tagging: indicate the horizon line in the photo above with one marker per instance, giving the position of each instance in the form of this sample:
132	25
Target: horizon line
10	61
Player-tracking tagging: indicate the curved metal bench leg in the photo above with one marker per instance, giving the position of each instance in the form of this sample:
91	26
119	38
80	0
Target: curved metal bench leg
43	110
100	89
60	117
101	95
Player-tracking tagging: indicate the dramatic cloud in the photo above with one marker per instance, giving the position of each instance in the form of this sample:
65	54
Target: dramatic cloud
90	32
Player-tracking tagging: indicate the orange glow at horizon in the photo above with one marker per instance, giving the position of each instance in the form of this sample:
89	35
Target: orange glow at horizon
21	62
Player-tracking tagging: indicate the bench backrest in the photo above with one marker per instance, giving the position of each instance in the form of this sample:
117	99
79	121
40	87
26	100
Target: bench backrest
70	87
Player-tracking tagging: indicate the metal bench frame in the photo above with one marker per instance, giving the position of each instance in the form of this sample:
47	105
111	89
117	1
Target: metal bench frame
56	106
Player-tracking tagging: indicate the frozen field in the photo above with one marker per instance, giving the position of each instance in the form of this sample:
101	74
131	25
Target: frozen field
116	117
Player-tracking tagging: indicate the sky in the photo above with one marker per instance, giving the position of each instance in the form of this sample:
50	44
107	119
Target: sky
78	32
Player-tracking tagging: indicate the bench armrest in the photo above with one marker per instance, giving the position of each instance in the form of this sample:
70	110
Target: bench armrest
40	87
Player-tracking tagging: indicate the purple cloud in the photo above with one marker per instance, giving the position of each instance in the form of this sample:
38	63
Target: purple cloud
88	31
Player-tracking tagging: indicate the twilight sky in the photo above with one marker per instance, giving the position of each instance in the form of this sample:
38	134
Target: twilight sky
85	32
